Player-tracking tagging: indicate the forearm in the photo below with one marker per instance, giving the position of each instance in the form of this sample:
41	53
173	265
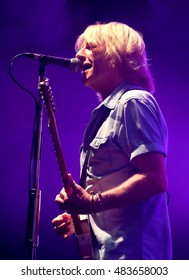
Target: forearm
137	188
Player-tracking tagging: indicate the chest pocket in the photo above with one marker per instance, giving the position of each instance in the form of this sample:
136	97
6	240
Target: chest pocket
100	161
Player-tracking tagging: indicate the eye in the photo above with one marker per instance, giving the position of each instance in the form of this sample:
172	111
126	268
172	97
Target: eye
90	46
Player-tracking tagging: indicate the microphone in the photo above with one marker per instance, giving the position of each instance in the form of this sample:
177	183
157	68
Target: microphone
73	64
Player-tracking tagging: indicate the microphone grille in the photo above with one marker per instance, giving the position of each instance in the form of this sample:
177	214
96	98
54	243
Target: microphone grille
76	64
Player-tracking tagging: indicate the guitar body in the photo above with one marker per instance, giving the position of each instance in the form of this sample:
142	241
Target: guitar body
81	224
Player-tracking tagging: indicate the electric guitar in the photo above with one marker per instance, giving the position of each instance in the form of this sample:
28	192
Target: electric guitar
81	226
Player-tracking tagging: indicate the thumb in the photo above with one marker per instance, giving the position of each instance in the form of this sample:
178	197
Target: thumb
71	184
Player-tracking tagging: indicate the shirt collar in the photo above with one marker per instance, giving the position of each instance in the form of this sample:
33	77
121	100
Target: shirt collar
111	101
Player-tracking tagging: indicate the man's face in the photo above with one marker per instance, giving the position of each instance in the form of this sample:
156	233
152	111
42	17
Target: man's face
96	72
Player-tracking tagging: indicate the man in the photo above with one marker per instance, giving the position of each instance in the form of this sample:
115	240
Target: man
126	145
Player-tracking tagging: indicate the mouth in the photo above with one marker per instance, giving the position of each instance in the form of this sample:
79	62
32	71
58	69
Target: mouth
86	66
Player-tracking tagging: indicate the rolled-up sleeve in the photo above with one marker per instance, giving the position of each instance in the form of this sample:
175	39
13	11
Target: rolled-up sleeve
144	128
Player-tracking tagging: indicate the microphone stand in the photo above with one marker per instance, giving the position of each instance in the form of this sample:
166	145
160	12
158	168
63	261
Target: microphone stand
33	215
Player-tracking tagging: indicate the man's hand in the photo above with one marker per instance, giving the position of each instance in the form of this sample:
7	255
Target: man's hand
63	225
76	200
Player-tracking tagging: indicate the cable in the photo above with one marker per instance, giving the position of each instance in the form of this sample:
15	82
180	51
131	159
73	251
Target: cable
13	78
35	117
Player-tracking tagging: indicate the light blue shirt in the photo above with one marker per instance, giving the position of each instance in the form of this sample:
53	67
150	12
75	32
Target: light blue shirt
134	125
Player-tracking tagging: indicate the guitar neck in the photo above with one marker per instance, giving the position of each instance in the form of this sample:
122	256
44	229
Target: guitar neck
63	171
82	229
59	154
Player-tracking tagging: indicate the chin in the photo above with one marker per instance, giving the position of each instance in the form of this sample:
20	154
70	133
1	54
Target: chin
89	82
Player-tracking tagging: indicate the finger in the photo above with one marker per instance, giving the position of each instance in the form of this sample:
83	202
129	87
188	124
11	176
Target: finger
64	217
67	217
71	183
65	229
60	203
67	236
59	219
63	194
61	197
61	225
58	198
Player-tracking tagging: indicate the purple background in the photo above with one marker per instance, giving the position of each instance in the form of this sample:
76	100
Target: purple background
51	27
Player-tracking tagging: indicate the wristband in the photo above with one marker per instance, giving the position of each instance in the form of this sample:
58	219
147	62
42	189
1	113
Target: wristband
97	204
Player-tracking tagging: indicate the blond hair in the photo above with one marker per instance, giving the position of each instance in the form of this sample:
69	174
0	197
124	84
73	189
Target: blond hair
125	49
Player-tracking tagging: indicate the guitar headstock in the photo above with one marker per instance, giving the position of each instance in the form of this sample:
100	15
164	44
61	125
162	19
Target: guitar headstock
46	92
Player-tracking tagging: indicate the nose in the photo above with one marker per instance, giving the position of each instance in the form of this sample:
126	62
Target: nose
81	55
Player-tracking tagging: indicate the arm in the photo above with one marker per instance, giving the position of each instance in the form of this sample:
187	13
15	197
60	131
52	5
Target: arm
150	180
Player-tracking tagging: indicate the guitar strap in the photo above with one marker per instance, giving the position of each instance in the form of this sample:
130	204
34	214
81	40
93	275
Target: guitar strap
97	119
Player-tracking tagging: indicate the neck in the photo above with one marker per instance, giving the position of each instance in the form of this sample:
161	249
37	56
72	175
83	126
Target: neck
105	91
